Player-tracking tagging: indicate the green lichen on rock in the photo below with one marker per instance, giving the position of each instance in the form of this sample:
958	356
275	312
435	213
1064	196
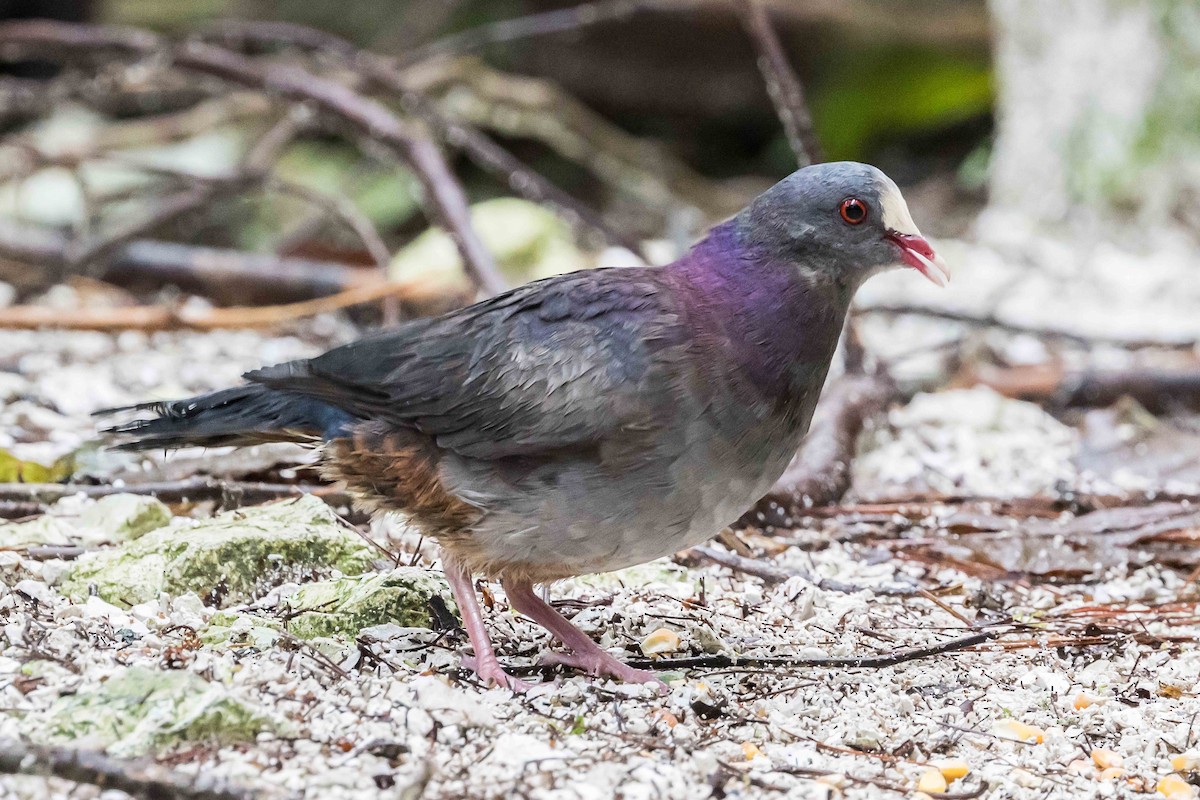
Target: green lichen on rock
345	606
140	711
75	520
234	629
227	559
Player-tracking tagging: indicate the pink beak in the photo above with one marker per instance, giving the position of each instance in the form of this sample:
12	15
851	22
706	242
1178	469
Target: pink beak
917	253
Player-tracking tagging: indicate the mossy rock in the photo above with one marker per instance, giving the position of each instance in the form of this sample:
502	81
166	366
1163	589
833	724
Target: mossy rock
228	559
345	606
72	520
140	711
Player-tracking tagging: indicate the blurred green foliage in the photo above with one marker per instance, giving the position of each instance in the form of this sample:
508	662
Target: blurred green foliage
865	96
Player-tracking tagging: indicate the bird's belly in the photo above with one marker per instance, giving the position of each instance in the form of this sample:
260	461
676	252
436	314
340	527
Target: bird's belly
589	521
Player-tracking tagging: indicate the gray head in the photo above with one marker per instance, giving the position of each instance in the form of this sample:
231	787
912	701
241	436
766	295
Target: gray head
843	218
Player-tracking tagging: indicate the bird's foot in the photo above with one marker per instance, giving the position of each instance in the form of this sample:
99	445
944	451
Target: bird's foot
599	663
492	674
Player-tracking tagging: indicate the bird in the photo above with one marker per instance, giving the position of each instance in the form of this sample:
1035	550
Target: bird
590	421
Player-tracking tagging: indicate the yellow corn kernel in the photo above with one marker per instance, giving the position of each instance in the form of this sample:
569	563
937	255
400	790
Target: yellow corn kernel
1110	774
1083	701
1103	759
750	750
1174	787
1186	762
660	641
952	768
1019	730
931	781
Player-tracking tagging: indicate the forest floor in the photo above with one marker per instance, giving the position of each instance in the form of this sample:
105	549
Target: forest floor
1057	606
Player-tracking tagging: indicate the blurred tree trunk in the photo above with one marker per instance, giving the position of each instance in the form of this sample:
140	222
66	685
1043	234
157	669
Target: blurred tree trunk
1099	106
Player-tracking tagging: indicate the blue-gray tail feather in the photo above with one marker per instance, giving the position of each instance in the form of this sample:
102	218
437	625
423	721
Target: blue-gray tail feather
243	415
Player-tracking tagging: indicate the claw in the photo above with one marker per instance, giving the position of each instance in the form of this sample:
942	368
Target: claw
492	674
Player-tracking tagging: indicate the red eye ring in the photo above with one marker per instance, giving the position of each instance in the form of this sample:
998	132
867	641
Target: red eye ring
853	211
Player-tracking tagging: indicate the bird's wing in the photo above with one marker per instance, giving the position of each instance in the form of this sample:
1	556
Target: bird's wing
584	359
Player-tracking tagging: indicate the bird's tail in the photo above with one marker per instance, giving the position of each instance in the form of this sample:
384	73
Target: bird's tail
240	416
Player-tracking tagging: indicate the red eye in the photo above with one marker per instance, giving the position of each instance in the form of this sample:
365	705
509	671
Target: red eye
853	210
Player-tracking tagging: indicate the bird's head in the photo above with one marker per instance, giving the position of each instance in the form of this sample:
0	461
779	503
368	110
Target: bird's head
843	218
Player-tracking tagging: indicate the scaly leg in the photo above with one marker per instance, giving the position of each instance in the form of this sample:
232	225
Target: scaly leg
484	663
585	654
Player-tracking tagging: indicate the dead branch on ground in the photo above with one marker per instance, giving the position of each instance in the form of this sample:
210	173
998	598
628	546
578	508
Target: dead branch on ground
1158	389
140	779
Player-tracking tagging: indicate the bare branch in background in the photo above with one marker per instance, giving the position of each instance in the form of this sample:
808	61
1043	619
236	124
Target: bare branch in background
140	779
548	22
484	151
783	85
368	117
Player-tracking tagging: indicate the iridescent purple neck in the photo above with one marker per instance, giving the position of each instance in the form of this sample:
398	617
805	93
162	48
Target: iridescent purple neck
779	323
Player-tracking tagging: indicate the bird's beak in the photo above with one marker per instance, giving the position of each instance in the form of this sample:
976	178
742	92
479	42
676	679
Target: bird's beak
917	253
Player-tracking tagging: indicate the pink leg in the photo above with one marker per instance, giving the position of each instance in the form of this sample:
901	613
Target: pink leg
585	654
484	663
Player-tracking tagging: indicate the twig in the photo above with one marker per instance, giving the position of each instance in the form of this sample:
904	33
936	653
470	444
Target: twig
820	473
783	85
773	574
370	118
549	22
140	779
190	490
837	662
1039	331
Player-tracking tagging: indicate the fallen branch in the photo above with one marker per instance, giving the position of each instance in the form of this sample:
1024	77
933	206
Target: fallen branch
211	270
783	86
543	24
831	662
185	491
139	779
1158	389
369	118
761	568
820	473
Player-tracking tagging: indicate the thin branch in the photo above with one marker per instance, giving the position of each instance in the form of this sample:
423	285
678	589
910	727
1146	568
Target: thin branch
783	85
189	490
139	779
568	19
830	662
770	573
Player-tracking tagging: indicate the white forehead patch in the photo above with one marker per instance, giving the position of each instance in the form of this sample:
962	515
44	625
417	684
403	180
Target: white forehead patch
896	216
